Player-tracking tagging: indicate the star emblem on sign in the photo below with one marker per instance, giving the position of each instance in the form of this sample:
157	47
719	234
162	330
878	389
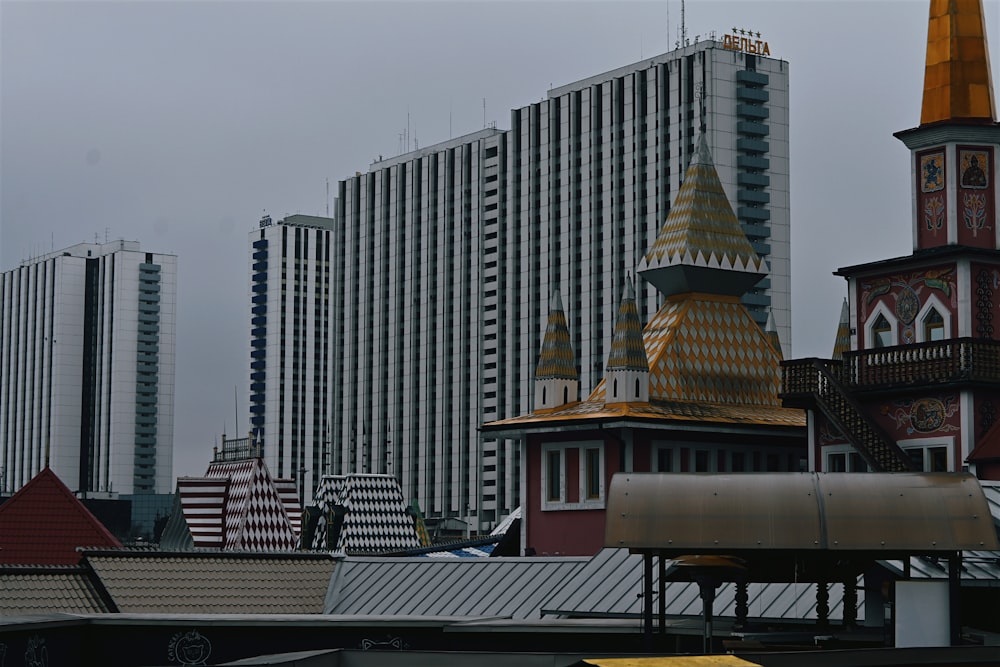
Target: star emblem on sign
735	30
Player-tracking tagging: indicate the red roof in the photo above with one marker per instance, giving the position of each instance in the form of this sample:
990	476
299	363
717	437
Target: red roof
44	524
989	447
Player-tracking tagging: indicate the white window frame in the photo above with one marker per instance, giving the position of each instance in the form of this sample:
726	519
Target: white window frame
927	444
890	317
847	450
583	503
548	504
933	302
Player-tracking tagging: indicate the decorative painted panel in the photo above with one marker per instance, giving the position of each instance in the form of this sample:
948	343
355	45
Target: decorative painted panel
923	415
932	227
985	300
976	203
987	407
905	296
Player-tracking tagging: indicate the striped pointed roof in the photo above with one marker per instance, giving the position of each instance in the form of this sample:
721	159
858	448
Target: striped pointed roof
627	349
957	81
236	506
842	343
701	247
556	360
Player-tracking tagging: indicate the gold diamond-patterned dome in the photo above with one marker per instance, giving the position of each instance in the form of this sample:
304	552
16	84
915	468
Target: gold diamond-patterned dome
707	348
556	360
701	247
627	349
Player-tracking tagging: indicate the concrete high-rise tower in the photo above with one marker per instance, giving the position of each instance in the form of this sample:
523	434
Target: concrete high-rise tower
291	358
87	337
444	258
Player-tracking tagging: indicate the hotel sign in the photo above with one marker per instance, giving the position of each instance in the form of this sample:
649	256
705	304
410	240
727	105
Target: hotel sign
747	41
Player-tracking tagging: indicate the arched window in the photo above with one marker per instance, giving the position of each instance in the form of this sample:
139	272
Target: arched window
881	332
614	389
543	395
933	321
933	325
565	394
637	387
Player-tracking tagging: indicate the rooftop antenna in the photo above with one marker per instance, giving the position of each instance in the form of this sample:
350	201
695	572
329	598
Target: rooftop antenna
407	129
668	25
684	30
484	113
328	196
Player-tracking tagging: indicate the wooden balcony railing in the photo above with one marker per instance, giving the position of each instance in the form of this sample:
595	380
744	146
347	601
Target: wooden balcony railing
941	362
818	384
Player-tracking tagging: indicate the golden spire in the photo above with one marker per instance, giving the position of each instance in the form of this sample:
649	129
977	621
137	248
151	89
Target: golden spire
957	83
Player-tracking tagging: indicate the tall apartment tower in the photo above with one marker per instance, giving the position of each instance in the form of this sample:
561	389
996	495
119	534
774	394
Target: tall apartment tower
444	259
87	337
291	359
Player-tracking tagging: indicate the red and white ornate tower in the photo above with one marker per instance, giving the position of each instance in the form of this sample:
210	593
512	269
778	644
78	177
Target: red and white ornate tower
920	387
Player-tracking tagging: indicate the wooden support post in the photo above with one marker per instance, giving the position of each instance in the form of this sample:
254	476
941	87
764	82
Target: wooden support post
647	601
661	599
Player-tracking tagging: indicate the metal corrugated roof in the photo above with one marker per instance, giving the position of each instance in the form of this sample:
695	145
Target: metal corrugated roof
211	583
893	514
610	585
460	587
36	591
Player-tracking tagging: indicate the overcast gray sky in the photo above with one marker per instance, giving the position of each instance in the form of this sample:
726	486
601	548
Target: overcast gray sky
178	123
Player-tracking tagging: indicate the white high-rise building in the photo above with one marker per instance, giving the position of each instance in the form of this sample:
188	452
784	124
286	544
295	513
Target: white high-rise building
291	358
87	338
444	259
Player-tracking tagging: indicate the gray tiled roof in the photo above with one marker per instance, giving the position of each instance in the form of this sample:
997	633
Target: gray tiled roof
34	591
210	583
459	587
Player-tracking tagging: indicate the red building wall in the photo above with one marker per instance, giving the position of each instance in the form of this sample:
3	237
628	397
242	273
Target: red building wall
569	532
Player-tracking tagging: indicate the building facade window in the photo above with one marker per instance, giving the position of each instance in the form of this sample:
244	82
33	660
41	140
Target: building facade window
930	454
934	321
573	476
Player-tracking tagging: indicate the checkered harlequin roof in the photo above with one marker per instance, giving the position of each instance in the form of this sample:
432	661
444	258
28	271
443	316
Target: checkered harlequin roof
556	360
701	246
627	349
708	348
375	519
238	506
842	343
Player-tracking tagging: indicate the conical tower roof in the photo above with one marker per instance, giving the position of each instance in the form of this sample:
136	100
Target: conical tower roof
957	81
771	329
842	343
556	360
627	349
701	247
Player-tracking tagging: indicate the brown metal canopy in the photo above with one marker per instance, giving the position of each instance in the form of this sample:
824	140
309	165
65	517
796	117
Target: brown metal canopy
873	513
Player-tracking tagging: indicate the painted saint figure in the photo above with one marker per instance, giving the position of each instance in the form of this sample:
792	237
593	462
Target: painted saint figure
973	176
